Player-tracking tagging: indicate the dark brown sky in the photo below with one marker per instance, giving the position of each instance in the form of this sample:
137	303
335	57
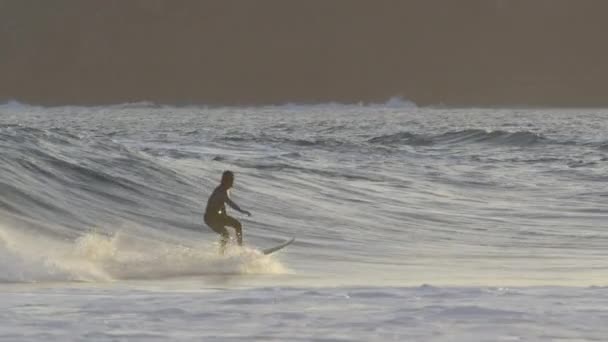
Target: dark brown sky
235	52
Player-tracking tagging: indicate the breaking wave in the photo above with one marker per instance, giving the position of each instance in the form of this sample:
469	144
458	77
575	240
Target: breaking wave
58	187
95	257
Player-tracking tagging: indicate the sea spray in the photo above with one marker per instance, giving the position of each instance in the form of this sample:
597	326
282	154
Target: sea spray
23	259
95	257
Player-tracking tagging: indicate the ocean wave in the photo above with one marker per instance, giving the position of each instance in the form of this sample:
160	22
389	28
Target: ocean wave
338	179
52	174
405	138
395	102
284	140
520	138
603	145
332	174
467	136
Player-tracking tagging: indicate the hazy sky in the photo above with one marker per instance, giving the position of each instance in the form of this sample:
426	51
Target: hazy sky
482	52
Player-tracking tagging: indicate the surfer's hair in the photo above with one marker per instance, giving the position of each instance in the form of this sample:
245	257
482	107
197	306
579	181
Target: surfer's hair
227	175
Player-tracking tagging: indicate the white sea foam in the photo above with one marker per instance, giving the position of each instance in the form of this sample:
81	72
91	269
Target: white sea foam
95	257
25	259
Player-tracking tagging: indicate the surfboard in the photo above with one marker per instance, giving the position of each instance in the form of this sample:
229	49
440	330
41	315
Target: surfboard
278	247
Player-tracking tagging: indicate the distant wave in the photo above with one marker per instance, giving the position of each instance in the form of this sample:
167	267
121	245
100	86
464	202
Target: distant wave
393	102
18	105
316	142
522	138
498	137
405	138
279	166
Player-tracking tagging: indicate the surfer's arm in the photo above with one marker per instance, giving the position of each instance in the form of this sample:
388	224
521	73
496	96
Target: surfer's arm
236	207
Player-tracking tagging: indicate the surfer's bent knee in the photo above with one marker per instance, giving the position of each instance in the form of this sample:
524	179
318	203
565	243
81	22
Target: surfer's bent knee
232	222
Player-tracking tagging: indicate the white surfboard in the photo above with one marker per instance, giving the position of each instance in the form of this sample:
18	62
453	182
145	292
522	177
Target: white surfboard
278	247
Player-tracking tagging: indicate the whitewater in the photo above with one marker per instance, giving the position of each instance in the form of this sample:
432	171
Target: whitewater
419	224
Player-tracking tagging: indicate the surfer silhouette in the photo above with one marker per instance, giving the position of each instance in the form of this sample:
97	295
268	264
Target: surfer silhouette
215	213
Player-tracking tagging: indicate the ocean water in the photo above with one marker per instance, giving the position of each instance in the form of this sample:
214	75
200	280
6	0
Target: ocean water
422	224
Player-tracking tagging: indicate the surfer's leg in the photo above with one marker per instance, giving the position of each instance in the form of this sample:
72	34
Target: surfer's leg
238	228
218	227
224	240
225	236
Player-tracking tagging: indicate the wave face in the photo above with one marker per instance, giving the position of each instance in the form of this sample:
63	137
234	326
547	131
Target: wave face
385	193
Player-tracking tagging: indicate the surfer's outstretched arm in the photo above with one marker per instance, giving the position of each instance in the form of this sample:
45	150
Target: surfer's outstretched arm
236	207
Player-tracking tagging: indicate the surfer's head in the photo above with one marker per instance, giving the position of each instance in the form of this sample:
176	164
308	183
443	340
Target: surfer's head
227	179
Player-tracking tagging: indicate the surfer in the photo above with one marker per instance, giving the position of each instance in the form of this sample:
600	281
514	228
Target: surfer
215	213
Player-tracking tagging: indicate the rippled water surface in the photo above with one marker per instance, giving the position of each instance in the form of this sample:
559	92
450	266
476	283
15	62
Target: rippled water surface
380	197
